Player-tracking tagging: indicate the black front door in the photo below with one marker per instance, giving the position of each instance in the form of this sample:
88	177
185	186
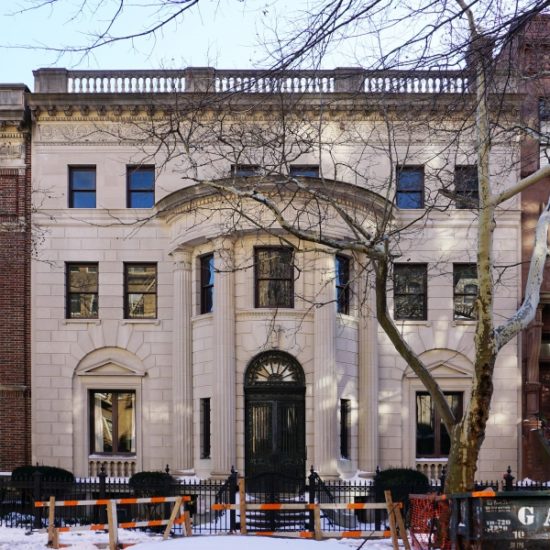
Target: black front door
275	432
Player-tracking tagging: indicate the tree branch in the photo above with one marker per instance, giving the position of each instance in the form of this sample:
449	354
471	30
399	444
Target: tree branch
526	313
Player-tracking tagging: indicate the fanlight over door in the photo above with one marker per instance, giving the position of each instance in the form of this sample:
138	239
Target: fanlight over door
275	415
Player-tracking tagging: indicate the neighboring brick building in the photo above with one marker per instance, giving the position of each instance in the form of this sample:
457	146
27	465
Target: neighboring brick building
15	255
532	59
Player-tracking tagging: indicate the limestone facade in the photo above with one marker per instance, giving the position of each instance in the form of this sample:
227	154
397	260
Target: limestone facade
175	360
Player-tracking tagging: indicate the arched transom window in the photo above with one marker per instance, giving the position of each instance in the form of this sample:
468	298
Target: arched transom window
274	368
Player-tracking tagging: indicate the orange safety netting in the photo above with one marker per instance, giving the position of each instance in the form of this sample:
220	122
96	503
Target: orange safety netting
429	522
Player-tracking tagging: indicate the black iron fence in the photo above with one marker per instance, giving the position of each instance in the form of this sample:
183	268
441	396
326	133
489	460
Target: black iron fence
17	501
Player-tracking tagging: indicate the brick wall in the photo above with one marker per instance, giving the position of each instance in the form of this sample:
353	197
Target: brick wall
15	250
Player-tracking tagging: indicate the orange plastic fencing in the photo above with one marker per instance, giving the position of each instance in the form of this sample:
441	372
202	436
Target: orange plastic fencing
429	522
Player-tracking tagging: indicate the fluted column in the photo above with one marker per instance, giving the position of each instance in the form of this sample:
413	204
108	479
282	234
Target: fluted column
325	394
368	381
182	391
224	399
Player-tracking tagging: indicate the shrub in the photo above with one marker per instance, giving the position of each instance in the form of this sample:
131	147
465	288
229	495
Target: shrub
49	473
401	482
149	484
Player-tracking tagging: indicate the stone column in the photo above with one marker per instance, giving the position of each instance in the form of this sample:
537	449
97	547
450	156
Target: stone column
368	380
325	391
224	398
183	361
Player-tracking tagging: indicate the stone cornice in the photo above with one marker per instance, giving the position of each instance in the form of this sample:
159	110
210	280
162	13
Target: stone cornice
345	194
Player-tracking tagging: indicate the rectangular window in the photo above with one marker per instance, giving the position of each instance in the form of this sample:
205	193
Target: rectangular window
140	291
244	170
464	290
342	284
432	438
113	422
466	187
410	291
207	283
205	427
274	273
410	187
82	188
140	181
82	295
345	428
304	170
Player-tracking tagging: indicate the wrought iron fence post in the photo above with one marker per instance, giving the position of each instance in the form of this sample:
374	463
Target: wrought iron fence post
312	490
508	480
233	488
102	510
37	479
442	478
376	490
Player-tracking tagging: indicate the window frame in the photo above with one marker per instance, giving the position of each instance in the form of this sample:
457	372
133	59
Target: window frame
465	197
91	422
69	293
437	422
410	168
127	293
458	295
424	293
342	289
205	428
73	192
132	169
293	168
345	429
206	288
257	280
245	170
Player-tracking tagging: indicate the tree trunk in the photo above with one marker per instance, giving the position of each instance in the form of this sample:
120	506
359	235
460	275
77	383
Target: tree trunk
467	436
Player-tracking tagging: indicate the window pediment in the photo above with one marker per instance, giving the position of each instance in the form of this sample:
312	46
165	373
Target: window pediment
110	362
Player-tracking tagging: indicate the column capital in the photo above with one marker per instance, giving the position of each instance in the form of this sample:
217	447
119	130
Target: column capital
182	257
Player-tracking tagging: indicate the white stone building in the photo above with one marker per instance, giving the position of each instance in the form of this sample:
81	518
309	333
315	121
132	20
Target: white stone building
168	329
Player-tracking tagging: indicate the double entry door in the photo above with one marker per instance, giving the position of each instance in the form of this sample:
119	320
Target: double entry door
275	432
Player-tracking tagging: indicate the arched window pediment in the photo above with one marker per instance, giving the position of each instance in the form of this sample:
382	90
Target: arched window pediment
274	368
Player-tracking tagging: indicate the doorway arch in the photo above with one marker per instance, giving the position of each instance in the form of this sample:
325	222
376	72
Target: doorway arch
274	388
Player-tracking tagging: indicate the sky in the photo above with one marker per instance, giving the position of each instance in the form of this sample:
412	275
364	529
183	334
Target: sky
224	34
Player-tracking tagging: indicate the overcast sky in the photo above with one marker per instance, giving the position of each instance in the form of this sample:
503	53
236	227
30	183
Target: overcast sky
222	34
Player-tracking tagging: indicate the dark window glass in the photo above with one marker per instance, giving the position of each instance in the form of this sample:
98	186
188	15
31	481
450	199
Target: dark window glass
345	428
304	170
432	438
466	187
274	272
207	283
113	422
141	186
464	290
410	187
205	427
410	285
140	291
243	170
342	284
82	187
82	295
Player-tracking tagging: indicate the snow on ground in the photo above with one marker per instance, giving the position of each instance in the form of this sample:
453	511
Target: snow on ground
17	539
